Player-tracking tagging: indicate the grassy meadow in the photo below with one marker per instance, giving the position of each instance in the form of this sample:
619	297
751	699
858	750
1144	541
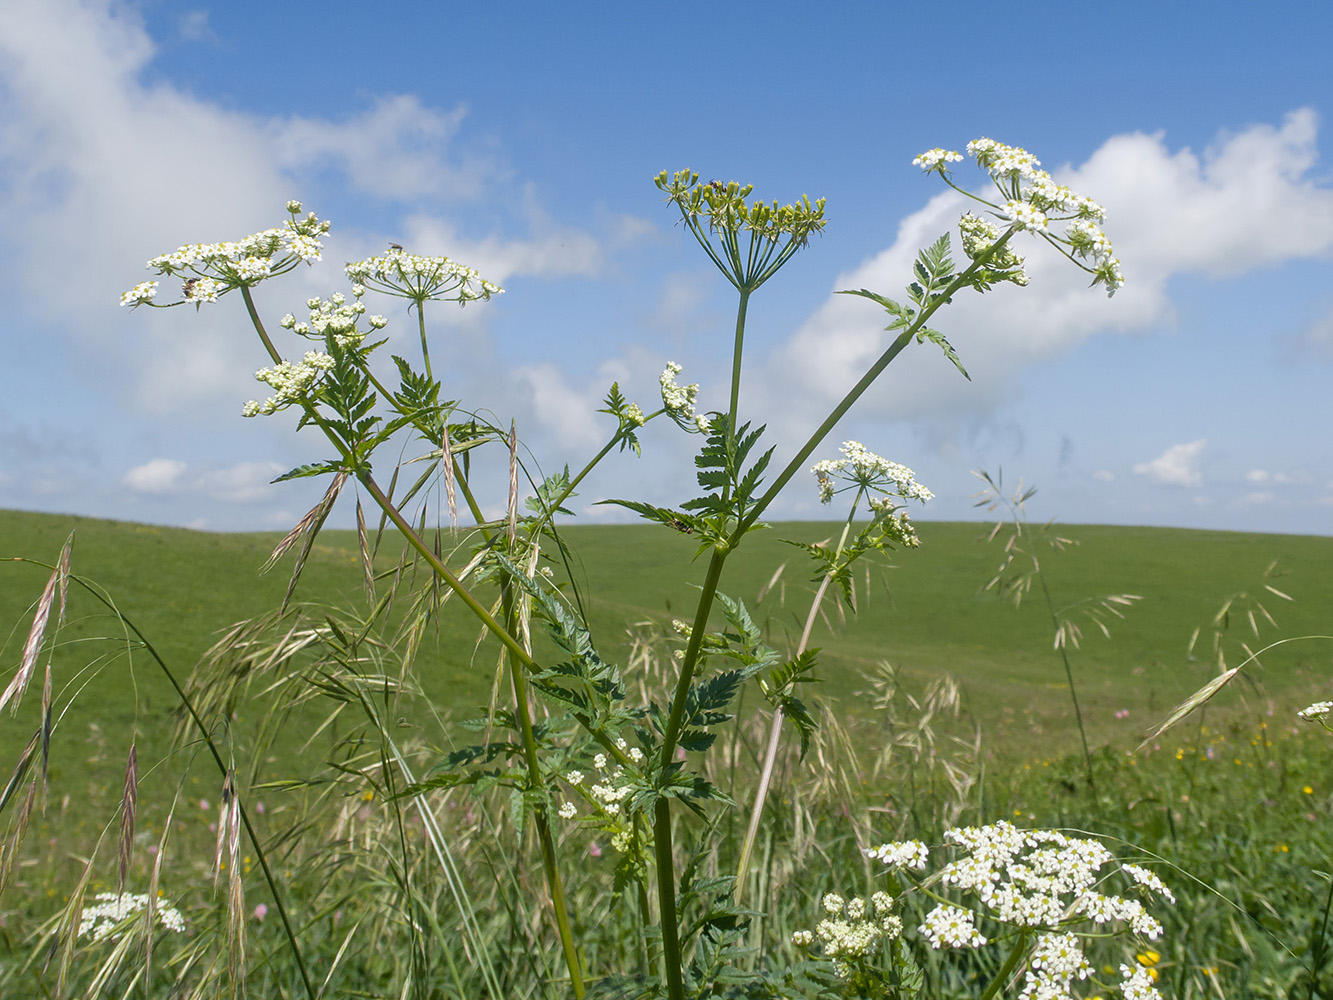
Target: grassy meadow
1237	800
926	613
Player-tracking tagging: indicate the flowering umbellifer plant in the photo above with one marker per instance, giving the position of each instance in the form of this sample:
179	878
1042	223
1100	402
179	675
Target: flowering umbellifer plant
1040	893
591	755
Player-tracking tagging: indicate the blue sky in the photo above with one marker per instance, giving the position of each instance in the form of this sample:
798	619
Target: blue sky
522	139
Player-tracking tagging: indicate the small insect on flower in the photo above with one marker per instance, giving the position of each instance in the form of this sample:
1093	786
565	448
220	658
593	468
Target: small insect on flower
396	246
187	289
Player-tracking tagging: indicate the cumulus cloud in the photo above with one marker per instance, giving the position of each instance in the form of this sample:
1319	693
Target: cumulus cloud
103	170
1177	466
240	483
1249	200
564	412
397	149
243	482
161	475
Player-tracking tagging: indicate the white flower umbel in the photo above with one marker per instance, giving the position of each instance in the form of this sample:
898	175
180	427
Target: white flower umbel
1137	984
1056	961
140	294
111	911
421	279
1030	200
903	854
679	400
1042	882
883	482
853	929
1319	711
210	270
950	927
333	317
292	383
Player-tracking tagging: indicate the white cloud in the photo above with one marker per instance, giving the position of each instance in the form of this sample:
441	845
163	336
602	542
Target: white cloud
1247	201
1257	476
239	483
1104	476
1257	498
398	149
161	475
1177	466
102	170
243	482
552	250
564	412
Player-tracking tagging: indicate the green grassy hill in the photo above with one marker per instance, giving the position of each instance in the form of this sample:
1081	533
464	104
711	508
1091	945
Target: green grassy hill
925	613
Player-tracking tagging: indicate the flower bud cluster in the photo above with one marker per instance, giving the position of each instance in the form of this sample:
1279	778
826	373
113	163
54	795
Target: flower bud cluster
213	269
679	400
1032	200
100	920
979	236
607	791
412	276
853	928
724	207
334	317
290	381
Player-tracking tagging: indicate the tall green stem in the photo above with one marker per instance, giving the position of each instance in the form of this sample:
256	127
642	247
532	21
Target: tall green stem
666	875
425	350
1010	963
535	783
736	353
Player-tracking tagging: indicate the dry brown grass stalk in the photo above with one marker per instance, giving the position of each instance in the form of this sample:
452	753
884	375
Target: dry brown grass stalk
307	528
41	617
129	802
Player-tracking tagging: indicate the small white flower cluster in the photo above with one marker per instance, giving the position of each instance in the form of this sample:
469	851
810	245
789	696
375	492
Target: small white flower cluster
335	317
1316	711
1137	984
419	278
1056	961
950	927
934	159
1032	201
140	294
1041	880
290	381
606	792
679	400
212	269
633	415
101	920
853	928
903	854
864	470
1149	880
979	235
